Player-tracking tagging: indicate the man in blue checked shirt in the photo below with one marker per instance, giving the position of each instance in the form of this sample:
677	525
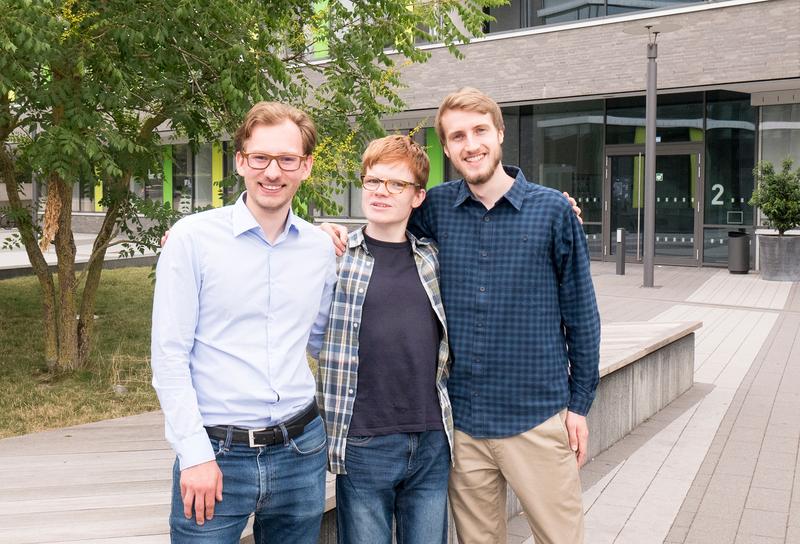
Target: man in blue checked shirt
384	364
241	291
524	332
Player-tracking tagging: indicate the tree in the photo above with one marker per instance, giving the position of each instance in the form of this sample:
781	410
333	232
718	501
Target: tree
86	86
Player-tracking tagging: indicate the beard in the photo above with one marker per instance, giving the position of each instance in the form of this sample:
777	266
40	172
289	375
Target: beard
479	178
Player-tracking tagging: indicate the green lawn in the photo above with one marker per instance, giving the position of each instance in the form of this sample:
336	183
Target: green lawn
32	399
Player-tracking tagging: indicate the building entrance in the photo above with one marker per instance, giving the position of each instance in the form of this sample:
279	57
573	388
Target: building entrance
679	172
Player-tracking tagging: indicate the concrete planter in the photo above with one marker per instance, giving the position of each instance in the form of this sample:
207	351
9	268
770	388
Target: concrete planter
780	257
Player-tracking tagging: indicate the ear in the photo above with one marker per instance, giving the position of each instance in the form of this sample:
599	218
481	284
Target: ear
307	164
240	163
500	135
446	151
419	197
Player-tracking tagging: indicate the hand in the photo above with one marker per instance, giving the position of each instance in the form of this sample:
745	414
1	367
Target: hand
338	234
575	208
166	234
200	486
578	433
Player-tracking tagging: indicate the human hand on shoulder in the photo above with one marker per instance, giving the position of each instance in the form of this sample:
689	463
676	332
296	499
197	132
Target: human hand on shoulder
578	432
201	487
575	207
338	234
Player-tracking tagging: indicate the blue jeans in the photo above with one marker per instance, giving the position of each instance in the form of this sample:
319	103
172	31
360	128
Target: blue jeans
283	484
398	475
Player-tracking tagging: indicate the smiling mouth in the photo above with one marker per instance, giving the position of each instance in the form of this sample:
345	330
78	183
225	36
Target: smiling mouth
379	205
270	187
474	158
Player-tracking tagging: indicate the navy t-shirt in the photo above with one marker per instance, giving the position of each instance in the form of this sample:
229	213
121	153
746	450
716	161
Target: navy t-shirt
398	349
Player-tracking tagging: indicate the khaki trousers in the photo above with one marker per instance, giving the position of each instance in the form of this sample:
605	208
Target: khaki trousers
541	469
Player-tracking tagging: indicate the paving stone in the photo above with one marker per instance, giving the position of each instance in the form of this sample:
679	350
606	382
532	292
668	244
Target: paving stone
775	500
777	459
755	539
763	523
773	478
707	528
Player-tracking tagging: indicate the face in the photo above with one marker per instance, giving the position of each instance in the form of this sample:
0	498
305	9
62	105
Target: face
270	191
472	143
387	209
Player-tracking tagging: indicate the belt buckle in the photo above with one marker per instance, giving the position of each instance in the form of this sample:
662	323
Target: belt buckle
251	437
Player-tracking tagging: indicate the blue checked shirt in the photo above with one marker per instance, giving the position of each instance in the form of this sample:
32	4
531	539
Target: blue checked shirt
338	362
523	321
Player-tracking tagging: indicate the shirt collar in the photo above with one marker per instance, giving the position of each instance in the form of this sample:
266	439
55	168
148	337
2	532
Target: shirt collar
356	238
244	221
515	195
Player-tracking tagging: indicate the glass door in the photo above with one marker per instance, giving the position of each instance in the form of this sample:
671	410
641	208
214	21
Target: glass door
677	187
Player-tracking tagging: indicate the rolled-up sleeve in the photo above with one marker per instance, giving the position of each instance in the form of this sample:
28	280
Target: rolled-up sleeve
175	314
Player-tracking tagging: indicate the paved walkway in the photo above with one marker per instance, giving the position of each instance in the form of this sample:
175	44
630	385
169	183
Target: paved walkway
718	465
14	262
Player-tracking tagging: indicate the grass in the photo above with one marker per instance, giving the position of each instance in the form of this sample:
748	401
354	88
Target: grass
32	399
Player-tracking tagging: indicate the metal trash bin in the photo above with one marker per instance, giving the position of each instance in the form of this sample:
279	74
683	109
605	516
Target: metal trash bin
738	252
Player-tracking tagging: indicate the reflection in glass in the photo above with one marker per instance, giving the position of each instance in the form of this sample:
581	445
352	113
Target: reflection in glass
730	158
568	152
679	119
780	133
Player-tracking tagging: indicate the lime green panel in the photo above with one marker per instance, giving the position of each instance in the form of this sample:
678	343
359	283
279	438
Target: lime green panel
216	174
320	43
638	181
167	186
98	196
436	157
640	135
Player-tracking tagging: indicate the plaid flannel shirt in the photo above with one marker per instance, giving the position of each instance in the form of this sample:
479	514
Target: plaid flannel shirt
338	362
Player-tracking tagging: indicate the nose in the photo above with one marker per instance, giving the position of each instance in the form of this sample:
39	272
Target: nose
272	170
382	190
471	142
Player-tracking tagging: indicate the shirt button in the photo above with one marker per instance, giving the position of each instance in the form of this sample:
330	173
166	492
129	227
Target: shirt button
480	325
482	288
361	290
353	358
350	391
486	219
484	253
524	238
355	325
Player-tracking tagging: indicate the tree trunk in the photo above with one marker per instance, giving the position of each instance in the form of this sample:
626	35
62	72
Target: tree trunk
65	250
36	258
94	268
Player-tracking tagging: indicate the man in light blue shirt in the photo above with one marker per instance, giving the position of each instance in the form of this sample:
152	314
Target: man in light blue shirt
241	292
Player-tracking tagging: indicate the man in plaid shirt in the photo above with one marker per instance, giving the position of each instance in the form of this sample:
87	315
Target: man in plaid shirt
384	364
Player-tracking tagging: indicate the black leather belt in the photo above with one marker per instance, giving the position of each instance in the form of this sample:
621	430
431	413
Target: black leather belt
268	436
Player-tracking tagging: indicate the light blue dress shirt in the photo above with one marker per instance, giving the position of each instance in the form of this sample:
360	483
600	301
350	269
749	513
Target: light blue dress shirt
233	315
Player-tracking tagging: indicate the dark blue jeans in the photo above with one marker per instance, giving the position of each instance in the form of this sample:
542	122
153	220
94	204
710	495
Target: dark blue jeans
284	485
398	475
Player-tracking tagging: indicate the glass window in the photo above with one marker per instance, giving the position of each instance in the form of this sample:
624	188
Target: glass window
715	245
562	11
203	188
507	17
780	133
679	118
730	158
182	182
567	142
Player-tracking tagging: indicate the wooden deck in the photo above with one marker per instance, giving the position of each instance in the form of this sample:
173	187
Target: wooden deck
109	481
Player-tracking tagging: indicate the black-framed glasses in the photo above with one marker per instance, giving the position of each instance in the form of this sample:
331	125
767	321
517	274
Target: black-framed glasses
285	161
393	186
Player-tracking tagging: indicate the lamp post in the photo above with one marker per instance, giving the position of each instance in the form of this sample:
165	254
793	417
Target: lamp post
652	30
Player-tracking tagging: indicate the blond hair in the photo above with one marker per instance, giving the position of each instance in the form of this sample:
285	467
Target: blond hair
274	113
469	99
398	149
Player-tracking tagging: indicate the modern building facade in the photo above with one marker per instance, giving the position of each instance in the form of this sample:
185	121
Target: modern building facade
570	77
